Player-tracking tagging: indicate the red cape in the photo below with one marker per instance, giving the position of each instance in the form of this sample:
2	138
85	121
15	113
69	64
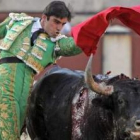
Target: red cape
88	33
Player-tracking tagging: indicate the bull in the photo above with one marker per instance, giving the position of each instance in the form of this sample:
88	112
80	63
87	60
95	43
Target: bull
76	105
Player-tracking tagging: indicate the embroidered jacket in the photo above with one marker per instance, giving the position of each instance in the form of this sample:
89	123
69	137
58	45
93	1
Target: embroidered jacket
15	34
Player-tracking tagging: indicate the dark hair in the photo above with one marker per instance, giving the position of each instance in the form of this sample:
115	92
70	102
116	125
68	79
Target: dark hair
58	9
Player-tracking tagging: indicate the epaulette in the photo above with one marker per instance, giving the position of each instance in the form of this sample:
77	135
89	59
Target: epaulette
18	17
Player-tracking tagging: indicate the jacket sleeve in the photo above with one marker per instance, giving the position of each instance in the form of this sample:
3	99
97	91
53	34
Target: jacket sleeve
3	28
67	47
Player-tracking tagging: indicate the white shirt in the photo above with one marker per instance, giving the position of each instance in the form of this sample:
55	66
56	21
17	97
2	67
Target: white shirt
36	26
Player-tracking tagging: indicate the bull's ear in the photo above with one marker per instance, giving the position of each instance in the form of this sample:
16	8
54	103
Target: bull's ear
103	101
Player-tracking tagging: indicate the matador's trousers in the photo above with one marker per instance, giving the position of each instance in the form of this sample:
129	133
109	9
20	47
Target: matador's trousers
15	85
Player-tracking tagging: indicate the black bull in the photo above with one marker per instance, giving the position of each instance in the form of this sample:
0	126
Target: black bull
63	107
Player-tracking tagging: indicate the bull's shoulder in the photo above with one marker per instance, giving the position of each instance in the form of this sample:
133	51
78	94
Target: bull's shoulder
56	73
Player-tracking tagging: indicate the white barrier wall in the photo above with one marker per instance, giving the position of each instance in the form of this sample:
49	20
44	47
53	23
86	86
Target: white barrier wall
117	54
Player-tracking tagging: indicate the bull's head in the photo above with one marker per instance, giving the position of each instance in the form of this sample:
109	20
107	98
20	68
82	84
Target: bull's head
125	97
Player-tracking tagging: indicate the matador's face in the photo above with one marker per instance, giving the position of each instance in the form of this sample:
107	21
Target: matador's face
53	25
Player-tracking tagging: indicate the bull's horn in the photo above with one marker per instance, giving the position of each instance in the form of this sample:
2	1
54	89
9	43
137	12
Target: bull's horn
100	88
